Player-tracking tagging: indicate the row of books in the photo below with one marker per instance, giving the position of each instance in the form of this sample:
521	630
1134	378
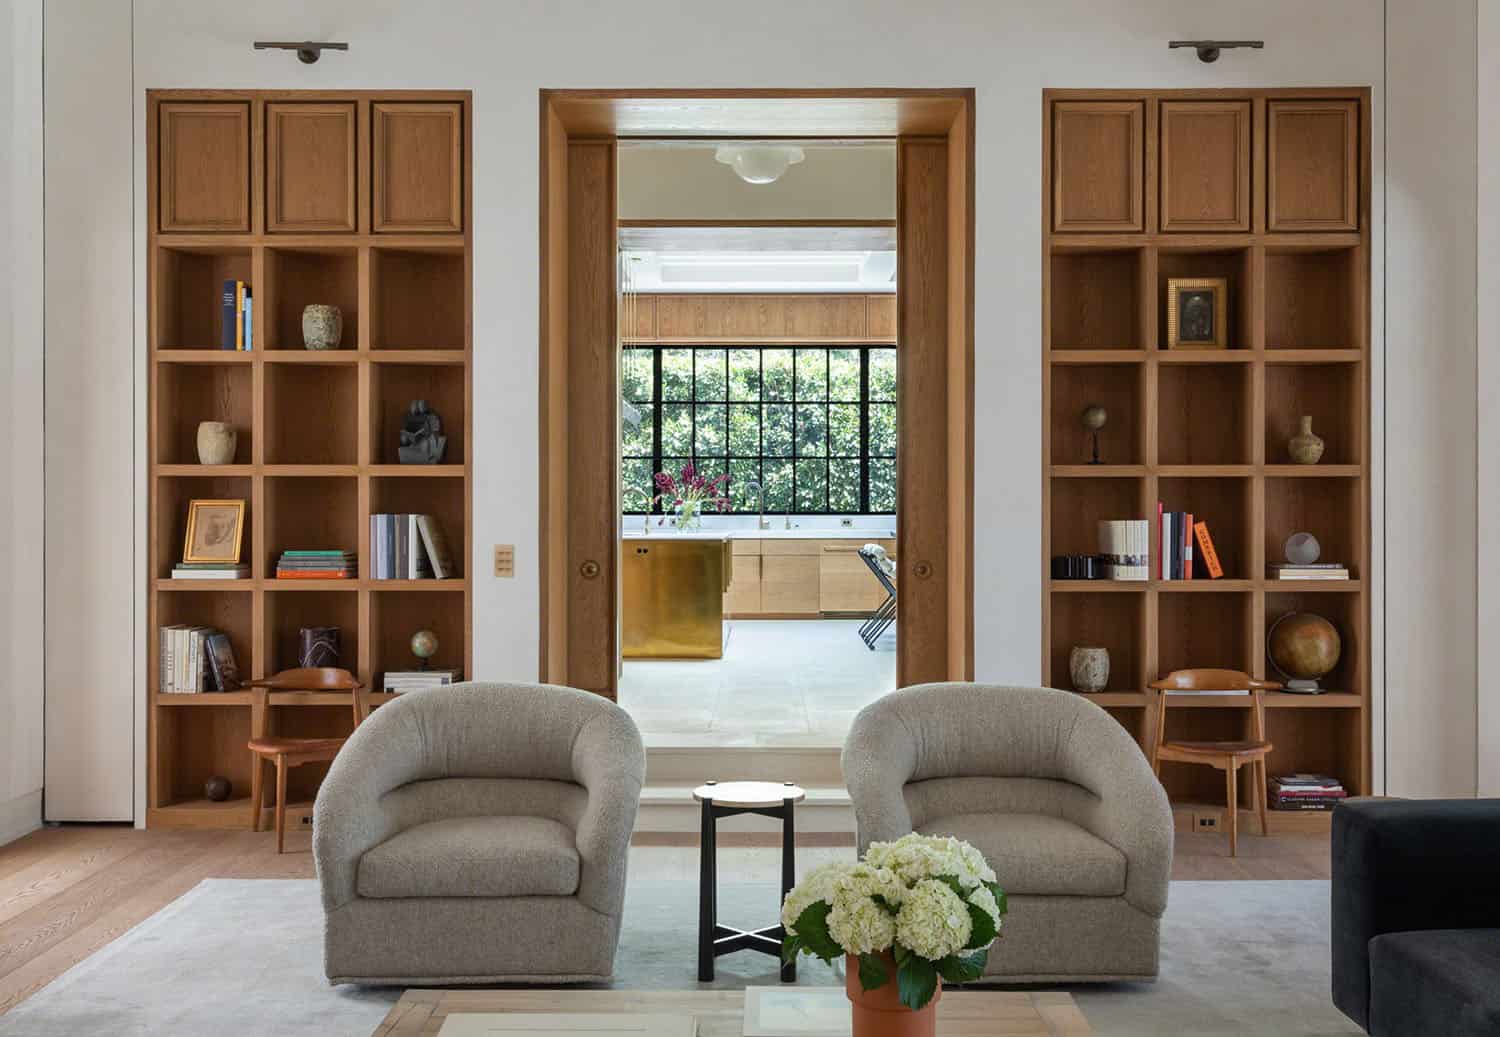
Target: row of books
1309	571
399	681
317	565
1305	792
238	317
409	547
196	659
1125	549
210	571
1187	547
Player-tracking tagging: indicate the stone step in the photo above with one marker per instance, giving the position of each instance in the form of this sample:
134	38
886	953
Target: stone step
693	765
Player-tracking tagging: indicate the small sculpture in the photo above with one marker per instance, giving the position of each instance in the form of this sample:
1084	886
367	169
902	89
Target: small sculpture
216	788
422	439
322	326
1302	549
1093	419
318	647
1306	447
424	645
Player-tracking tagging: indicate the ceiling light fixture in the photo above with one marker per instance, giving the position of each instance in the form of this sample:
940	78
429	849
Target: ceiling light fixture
759	163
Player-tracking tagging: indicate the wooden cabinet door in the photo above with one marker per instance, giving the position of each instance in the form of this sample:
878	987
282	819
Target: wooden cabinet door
1098	155
1205	166
310	168
845	583
1312	160
203	169
418	167
743	596
789	584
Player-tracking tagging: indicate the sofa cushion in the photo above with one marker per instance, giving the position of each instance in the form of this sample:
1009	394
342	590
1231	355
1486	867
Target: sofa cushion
1039	855
511	856
1443	981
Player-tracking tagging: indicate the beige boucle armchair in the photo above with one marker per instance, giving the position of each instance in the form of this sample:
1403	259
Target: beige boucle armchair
478	834
1056	795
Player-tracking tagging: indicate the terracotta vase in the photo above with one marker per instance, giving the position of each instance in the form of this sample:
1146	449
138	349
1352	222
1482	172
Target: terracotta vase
1306	447
880	1013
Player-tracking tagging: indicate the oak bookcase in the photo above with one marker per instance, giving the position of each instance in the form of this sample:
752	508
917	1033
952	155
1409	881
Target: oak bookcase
1270	190
364	200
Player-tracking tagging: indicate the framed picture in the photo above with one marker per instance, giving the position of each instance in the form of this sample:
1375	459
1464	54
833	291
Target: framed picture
214	531
1197	310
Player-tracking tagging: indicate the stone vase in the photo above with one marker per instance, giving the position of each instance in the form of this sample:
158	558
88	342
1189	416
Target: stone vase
1306	446
880	1013
322	326
1089	668
216	442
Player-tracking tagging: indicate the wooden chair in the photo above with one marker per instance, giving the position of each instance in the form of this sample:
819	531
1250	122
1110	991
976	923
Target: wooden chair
1228	757
286	753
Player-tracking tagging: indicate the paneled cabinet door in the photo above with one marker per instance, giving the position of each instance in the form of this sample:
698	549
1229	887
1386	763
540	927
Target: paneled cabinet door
845	583
418	167
310	167
1098	155
1312	156
203	168
789	584
743	596
1205	166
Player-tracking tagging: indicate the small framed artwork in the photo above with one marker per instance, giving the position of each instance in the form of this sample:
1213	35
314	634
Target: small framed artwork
214	531
1197	309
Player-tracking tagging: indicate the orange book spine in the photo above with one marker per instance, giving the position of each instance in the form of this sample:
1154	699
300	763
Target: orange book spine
1206	546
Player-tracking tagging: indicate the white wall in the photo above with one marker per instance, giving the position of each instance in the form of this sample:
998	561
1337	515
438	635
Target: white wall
1488	38
504	54
21	463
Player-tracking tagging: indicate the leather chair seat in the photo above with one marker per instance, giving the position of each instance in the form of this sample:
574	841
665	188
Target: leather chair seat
496	856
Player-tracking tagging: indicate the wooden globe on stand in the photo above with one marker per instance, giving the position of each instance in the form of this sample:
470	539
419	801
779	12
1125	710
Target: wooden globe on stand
1303	647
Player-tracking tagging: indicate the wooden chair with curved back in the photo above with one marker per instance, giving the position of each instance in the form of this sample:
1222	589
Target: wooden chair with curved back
1227	756
286	753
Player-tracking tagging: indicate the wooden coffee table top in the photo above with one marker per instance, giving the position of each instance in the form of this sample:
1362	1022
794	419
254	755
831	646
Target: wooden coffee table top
964	1013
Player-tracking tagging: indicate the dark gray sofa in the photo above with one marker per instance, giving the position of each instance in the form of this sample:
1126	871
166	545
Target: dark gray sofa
1416	916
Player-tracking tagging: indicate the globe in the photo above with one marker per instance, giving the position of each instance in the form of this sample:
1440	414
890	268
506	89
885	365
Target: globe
1304	647
424	645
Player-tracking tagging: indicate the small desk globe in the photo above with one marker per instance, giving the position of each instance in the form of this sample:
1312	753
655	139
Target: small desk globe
424	645
1304	647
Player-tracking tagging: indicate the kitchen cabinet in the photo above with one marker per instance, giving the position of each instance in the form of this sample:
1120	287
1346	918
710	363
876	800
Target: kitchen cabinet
789	583
845	583
780	577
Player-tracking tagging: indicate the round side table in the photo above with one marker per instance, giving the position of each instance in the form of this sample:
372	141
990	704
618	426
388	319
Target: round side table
767	799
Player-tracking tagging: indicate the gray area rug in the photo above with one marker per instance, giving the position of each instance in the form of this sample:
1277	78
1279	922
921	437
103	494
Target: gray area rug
244	957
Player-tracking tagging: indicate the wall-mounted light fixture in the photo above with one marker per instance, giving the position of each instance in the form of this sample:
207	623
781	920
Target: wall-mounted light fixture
1208	50
308	52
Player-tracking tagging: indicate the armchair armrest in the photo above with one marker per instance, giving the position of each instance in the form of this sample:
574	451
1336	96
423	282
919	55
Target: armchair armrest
1404	865
879	758
610	762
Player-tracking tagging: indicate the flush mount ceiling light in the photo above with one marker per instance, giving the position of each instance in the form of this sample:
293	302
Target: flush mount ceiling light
759	163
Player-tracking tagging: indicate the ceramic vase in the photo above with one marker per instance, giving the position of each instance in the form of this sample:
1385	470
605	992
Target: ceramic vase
322	326
1089	668
1306	446
216	442
880	1013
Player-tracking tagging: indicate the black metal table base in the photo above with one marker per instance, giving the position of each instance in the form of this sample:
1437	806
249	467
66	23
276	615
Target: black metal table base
715	939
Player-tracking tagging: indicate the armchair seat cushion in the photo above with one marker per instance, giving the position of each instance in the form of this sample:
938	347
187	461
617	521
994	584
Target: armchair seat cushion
1039	854
1435	981
497	856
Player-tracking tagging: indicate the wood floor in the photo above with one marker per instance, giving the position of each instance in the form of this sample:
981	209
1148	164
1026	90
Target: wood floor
66	892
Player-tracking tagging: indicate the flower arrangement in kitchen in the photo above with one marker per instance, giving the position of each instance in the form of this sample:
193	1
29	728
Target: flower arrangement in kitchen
925	908
690	493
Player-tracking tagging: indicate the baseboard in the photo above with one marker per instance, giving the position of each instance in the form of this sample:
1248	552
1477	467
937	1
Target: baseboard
20	816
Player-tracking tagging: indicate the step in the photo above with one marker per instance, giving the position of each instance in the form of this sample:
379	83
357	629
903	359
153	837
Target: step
669	807
808	766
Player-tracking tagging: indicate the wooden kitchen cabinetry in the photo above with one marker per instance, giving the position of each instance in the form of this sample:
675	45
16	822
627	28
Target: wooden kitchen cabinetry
801	579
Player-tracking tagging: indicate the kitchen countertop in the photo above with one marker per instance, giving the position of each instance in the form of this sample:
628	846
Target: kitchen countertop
664	533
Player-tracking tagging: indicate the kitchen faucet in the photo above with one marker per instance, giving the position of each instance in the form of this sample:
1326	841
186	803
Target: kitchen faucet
760	503
650	500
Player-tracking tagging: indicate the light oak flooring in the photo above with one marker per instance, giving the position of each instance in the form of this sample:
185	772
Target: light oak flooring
66	892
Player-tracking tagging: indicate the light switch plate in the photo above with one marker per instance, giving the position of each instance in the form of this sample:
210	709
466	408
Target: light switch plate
505	560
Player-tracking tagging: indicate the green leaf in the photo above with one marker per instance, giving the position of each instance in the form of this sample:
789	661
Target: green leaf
994	887
890	909
952	883
812	932
900	953
916	980
963	968
984	928
791	946
872	974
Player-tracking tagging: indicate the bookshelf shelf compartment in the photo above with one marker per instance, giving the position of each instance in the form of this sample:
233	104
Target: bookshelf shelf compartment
287	614
190	294
309	417
1096	299
1112	621
1078	505
392	389
1313	297
187	394
418	298
1329	509
1224	504
1204	414
1232	264
1329	394
439	497
397	615
1205	630
193	745
1118	388
173	494
309	514
1344	611
233	614
299	277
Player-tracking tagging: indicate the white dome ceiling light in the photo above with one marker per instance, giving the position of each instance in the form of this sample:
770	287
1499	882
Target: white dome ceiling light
759	163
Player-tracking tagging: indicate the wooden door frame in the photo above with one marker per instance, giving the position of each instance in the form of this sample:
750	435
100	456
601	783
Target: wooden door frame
578	545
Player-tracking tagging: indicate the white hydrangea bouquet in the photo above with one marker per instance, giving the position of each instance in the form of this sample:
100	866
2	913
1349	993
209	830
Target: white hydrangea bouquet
926	905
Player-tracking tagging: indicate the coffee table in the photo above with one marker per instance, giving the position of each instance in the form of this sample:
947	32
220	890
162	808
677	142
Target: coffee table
720	1013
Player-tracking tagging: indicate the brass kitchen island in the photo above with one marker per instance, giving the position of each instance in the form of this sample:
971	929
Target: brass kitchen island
673	587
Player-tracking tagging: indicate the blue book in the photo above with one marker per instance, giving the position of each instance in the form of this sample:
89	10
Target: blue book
249	321
230	316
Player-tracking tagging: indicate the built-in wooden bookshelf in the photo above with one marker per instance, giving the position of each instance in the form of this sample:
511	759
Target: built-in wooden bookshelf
362	200
1269	190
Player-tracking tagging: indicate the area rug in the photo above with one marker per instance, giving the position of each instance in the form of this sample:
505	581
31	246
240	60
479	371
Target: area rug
239	957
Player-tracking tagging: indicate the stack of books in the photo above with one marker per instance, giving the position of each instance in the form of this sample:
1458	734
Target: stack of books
409	547
1125	548
398	681
238	317
196	659
317	565
1311	571
1186	547
210	571
1306	792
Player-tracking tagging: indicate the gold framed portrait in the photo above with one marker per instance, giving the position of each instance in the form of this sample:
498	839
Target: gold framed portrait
214	531
1197	313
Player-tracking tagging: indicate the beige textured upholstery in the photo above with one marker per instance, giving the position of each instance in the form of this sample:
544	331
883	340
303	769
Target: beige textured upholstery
1057	796
456	816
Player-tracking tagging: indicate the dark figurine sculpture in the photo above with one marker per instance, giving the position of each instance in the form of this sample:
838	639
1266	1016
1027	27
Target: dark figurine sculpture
422	439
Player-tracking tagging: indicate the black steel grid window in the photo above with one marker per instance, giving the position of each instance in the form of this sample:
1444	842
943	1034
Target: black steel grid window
814	425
